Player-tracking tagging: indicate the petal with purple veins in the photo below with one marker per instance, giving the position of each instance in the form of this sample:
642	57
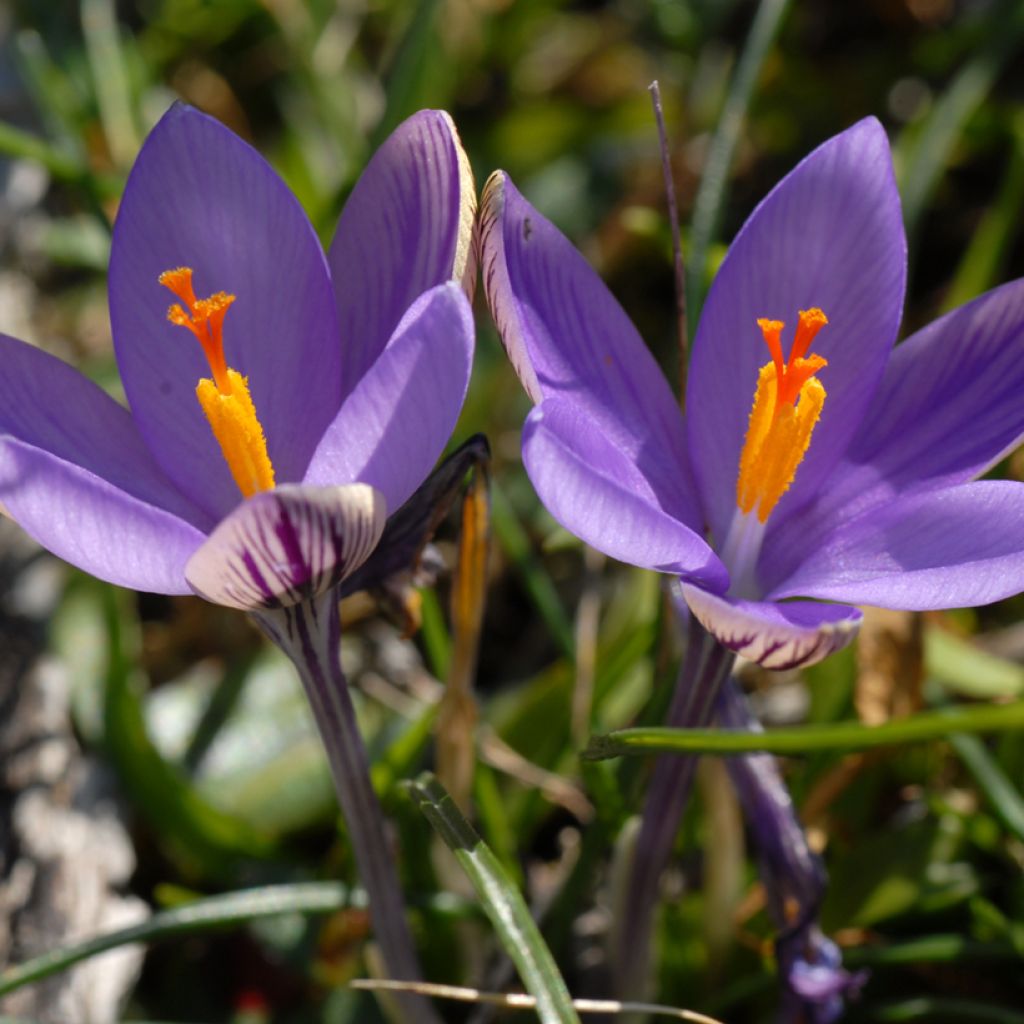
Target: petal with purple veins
287	545
596	491
948	548
198	196
394	425
949	406
406	227
829	235
776	635
568	338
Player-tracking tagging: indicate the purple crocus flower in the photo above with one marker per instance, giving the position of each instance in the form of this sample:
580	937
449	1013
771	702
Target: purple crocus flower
355	364
847	480
287	402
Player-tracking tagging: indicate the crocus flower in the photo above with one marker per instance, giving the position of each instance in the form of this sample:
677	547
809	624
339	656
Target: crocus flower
283	405
809	476
327	384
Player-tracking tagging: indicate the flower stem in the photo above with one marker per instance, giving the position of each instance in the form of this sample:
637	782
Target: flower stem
810	964
705	666
309	633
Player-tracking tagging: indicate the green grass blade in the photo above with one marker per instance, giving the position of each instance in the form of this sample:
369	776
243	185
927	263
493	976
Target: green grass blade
712	191
501	900
937	1010
202	915
924	156
929	725
1005	798
516	544
985	257
105	51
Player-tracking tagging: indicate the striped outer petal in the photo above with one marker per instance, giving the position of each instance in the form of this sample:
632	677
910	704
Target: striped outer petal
775	635
287	545
407	226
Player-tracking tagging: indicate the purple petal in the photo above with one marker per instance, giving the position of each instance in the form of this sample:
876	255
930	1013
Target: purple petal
596	491
76	475
200	197
951	548
949	406
829	235
287	545
776	636
394	425
568	338
407	226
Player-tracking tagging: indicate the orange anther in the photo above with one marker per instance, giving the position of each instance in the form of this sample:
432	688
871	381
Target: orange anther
179	281
809	322
225	400
787	405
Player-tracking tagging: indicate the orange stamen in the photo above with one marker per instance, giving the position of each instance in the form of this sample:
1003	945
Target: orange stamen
788	401
179	281
225	400
809	322
204	318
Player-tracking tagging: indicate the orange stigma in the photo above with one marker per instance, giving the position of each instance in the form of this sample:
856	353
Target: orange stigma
225	399
787	404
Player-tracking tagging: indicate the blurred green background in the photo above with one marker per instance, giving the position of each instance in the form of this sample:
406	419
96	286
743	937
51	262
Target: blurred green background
207	735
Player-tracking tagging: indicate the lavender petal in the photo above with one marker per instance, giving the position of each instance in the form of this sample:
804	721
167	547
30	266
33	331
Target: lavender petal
394	425
568	338
407	227
828	235
76	475
946	548
594	490
199	196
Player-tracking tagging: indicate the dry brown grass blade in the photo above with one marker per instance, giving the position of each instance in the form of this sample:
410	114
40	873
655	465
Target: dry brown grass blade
457	714
521	1001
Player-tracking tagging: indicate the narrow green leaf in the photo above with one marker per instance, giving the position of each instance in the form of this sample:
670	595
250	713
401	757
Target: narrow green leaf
954	1011
501	900
104	48
713	182
983	261
965	668
929	725
923	155
203	915
1005	798
413	69
930	949
512	537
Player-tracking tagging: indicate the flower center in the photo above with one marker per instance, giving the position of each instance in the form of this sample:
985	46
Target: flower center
787	404
225	399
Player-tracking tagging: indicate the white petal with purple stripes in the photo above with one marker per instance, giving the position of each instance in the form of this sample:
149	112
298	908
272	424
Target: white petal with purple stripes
288	545
777	635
